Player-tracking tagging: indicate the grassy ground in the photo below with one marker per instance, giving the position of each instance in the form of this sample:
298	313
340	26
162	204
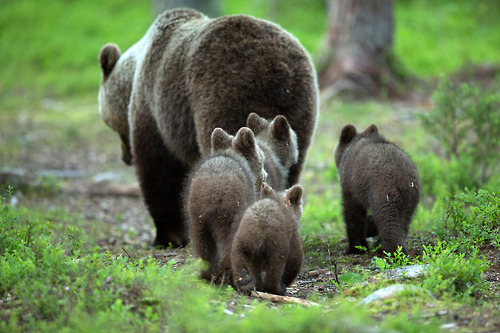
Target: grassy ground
74	231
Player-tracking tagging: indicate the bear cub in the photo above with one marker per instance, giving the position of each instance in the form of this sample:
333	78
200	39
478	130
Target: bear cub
267	251
278	141
376	175
220	188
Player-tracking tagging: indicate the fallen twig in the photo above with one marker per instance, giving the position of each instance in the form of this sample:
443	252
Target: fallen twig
318	272
99	190
336	274
127	253
282	299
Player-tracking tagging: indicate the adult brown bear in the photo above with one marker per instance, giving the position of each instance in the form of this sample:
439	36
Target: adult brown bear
188	75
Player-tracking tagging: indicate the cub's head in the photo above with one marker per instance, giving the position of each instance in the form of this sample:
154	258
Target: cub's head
114	93
291	198
348	134
278	135
244	144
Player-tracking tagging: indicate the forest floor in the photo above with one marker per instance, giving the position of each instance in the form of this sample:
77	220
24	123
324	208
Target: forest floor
91	188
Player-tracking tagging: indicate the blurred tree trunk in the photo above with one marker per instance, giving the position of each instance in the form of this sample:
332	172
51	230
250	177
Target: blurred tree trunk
356	60
211	8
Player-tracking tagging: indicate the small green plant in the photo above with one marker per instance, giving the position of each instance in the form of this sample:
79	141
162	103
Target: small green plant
466	123
391	260
370	250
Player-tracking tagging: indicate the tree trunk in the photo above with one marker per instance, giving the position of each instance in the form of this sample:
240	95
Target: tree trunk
211	8
357	58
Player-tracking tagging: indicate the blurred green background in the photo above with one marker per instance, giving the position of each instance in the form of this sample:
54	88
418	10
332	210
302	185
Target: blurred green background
49	48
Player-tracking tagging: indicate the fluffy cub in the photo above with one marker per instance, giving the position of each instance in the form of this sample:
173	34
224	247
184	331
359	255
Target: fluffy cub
278	141
220	188
376	175
267	251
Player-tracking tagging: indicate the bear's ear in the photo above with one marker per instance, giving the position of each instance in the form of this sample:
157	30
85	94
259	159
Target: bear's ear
256	123
108	57
280	128
220	140
348	133
266	191
294	194
244	143
371	129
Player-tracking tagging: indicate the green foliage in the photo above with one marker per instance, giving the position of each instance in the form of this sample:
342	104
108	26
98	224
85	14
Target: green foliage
466	123
51	48
439	176
351	278
458	33
452	274
54	54
472	219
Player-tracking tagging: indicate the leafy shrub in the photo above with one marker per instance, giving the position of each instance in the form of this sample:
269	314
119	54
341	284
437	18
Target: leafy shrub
472	219
453	274
441	177
466	124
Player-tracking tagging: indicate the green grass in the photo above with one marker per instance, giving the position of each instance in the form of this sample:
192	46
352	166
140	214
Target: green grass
436	37
50	283
51	48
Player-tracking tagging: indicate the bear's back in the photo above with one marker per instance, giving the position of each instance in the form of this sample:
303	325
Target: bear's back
220	184
376	165
257	56
267	223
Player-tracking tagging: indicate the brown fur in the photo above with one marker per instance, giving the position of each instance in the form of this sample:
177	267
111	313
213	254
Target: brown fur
268	242
376	174
190	74
220	188
278	141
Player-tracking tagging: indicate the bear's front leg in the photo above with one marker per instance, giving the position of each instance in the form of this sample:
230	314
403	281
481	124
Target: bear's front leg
161	177
294	260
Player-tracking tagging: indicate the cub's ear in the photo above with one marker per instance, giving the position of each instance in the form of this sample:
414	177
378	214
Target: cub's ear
108	57
220	140
371	129
244	143
280	128
256	123
294	194
348	133
266	191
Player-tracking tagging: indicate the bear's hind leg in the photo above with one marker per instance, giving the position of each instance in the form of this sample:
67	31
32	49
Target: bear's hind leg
392	231
355	222
274	267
